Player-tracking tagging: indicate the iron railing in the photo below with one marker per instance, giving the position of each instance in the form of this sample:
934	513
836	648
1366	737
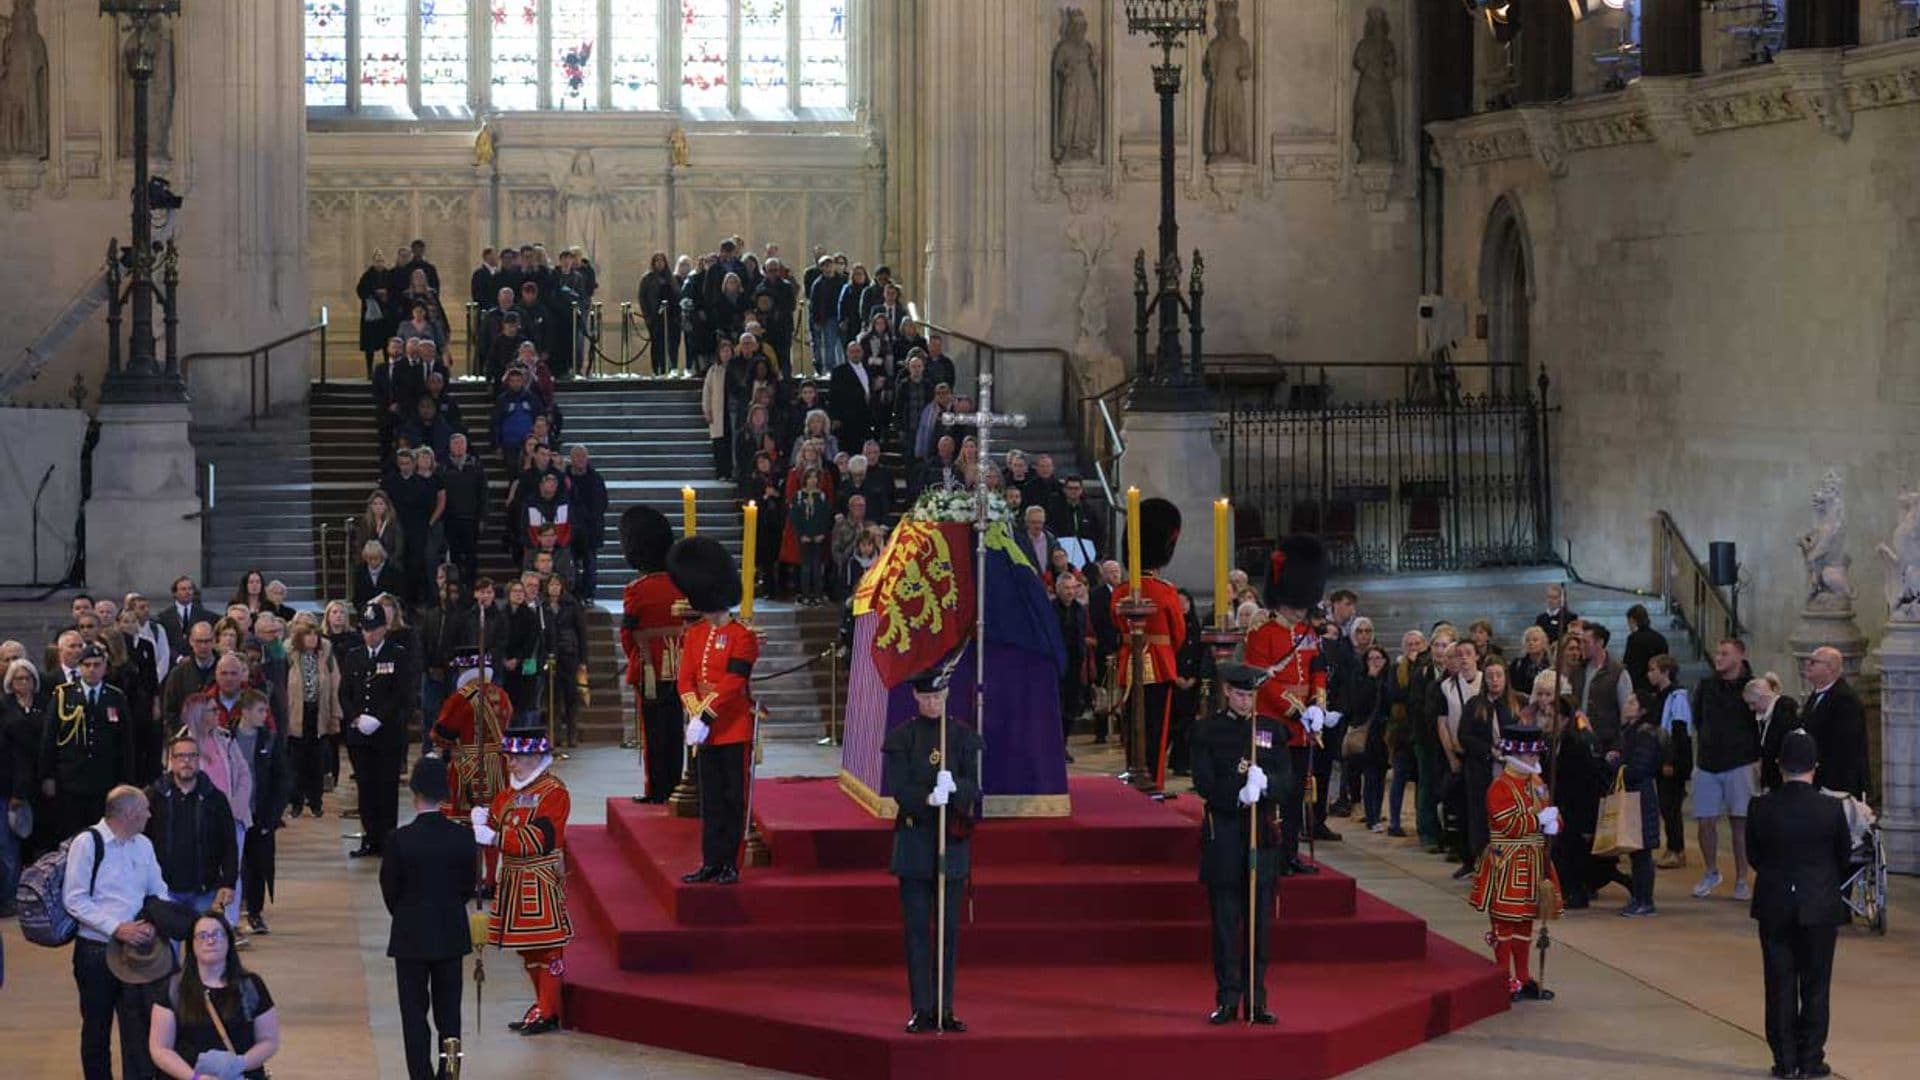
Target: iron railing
1396	486
1682	580
260	365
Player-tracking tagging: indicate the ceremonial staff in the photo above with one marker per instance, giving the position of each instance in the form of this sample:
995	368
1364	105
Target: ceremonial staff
481	724
1253	862
983	420
940	869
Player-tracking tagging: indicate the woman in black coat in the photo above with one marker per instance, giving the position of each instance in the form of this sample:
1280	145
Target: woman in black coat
1642	749
1370	702
1495	708
659	306
379	309
566	646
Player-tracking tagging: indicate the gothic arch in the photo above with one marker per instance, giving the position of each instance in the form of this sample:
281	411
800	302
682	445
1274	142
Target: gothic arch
1507	290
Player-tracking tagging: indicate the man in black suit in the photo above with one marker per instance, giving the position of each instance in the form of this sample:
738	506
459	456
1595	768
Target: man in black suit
86	747
179	616
1834	717
426	879
1798	843
379	691
849	390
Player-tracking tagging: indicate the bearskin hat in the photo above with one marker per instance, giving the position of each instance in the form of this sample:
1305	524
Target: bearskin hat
645	536
1299	574
1159	532
704	570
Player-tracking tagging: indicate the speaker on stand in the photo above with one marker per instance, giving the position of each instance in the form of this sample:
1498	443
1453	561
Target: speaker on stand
1723	569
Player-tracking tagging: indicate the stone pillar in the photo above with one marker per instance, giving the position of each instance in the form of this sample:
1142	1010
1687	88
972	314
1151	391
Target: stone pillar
1543	52
140	530
1670	37
1899	806
1171	455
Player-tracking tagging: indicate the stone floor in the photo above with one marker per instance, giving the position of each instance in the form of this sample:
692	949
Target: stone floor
1674	996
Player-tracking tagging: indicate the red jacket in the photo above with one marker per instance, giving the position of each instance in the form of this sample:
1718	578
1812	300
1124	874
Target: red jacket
1301	680
1166	630
715	663
650	631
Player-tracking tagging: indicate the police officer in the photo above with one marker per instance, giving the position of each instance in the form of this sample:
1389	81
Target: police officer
379	688
922	780
1241	771
426	879
86	746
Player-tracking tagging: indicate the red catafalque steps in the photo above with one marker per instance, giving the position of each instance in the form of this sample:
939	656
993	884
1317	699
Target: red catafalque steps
1085	953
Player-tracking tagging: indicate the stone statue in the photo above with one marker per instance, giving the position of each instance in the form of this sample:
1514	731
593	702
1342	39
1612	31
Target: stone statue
586	205
1076	91
1228	68
677	147
23	86
159	95
1902	555
1828	585
1375	135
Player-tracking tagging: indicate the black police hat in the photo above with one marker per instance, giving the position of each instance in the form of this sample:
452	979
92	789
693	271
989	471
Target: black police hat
1242	676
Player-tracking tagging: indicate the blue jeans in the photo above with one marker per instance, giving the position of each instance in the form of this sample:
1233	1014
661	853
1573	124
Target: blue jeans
432	693
1403	774
829	351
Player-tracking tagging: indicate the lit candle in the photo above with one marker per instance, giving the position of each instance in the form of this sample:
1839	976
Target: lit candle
1222	558
749	545
1133	539
688	513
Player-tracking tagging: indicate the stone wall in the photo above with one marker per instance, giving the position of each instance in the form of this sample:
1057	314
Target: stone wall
235	151
1725	274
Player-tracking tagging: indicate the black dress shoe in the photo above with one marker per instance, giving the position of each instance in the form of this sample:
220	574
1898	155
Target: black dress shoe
953	1023
1325	835
1221	1014
702	875
1463	870
1262	1016
1817	1069
726	875
541	1026
922	1024
363	851
1296	866
1532	991
1785	1072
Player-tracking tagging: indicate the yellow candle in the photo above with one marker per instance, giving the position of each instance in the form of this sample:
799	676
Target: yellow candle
749	545
1133	539
688	513
1222	558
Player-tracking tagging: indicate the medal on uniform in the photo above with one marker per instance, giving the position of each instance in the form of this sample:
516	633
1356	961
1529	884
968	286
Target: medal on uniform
1263	739
113	715
934	758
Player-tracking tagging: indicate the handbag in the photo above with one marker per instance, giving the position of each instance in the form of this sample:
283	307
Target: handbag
220	1026
1619	831
1354	743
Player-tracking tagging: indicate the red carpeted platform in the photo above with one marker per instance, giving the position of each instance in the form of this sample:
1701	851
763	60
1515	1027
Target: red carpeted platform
1087	953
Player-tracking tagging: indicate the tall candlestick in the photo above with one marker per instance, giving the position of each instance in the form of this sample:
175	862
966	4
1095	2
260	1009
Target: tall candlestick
1222	559
750	545
1133	539
688	509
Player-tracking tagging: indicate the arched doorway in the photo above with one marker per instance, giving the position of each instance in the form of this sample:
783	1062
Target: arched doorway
1506	288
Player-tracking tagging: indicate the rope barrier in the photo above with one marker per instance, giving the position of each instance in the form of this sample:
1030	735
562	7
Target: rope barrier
807	663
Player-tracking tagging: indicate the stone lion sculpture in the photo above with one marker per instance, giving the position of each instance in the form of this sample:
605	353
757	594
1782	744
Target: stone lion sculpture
1902	554
1829	586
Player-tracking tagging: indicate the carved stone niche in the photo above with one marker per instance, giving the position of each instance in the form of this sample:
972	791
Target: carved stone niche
1663	98
1814	75
1228	181
1082	182
1376	182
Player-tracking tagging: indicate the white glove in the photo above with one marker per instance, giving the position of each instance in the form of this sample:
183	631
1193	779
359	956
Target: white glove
1550	821
1314	718
1249	793
943	789
366	725
697	731
484	836
478	815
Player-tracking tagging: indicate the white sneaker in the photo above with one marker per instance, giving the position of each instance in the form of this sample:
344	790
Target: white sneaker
1707	885
1742	891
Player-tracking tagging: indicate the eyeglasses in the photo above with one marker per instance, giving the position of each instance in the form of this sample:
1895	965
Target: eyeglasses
210	937
186	757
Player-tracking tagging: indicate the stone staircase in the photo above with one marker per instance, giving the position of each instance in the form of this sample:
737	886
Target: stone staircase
263	513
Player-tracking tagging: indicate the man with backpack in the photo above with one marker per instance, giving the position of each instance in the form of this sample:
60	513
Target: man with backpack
110	872
192	831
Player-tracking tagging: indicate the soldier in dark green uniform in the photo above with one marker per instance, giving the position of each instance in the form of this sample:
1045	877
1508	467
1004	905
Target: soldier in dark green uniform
1234	768
87	746
921	781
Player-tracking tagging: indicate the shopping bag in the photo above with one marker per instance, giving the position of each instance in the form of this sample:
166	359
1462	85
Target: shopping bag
1619	831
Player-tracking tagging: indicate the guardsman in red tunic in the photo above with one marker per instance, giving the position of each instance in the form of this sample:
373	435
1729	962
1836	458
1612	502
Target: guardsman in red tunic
1287	647
716	660
1166	631
1515	883
651	622
528	823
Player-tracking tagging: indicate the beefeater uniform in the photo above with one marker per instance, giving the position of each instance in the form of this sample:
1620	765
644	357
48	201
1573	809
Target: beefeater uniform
1298	682
530	908
715	665
1509	883
652	623
468	732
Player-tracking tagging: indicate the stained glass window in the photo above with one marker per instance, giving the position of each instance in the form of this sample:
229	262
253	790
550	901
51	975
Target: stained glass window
634	55
756	57
515	76
326	52
575	52
443	53
763	54
704	35
383	53
823	54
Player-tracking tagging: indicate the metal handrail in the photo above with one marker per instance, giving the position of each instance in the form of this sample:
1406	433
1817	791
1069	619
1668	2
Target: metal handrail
260	376
1682	580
